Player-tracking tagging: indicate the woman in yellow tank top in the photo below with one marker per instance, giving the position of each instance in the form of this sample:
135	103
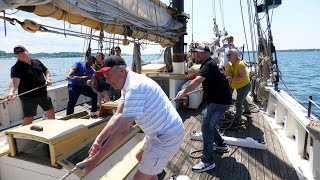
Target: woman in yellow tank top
239	80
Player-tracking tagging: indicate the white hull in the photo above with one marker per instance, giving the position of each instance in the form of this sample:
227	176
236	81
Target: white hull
11	112
288	119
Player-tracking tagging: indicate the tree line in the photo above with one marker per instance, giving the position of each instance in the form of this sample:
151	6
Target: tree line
3	54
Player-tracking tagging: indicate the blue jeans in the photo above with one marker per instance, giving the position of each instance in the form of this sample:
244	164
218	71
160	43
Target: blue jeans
210	117
241	100
74	93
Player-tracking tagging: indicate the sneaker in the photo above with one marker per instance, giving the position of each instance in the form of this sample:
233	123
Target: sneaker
94	113
202	167
223	149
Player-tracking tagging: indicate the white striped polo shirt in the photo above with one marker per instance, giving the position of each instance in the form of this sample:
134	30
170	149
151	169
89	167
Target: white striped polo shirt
146	103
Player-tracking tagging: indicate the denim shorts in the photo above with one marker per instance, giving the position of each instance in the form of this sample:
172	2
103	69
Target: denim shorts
30	104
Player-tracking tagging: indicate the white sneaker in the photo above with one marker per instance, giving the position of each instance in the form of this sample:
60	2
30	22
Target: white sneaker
202	167
94	113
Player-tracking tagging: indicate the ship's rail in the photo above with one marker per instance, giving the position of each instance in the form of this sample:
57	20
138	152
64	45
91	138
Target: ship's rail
310	105
11	113
290	121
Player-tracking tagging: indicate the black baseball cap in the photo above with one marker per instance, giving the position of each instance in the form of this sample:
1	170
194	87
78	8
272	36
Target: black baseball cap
92	58
202	49
109	62
18	49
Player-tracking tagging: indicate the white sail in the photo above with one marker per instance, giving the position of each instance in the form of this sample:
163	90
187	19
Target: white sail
141	19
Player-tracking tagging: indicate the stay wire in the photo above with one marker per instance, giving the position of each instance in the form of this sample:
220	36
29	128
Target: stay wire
222	13
213	8
244	29
192	24
251	28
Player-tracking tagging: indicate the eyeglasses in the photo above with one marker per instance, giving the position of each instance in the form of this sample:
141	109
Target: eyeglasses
228	55
18	51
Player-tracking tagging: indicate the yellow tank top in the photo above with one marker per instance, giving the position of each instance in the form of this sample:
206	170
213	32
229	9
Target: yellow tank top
234	72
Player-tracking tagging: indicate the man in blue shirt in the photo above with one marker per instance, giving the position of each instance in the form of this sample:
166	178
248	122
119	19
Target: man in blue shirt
77	84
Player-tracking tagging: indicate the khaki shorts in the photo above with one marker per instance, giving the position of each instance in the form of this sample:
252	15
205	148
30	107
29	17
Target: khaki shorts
157	153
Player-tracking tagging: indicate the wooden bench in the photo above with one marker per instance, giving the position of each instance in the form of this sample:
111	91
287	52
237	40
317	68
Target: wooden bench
126	166
108	108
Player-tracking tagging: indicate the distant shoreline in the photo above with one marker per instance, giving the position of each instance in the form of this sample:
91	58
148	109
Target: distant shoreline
4	54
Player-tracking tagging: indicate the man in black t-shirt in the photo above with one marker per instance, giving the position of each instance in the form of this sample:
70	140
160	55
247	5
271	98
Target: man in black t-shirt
218	98
28	74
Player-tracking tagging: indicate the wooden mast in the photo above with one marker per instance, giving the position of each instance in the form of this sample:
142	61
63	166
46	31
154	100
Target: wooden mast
178	48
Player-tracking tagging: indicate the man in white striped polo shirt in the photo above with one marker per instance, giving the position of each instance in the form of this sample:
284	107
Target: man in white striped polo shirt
142	100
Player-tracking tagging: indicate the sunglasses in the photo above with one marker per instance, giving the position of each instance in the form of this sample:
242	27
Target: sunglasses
18	51
228	55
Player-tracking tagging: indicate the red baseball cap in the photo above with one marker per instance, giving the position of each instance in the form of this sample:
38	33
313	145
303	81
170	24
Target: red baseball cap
110	62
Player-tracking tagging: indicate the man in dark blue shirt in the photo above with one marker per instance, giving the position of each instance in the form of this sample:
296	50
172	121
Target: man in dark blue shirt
77	84
218	98
29	75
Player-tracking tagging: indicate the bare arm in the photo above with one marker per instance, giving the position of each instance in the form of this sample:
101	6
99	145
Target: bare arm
14	84
226	73
78	78
116	130
48	77
71	71
107	130
193	84
221	48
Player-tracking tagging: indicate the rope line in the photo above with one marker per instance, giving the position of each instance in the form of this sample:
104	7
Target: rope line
31	90
244	29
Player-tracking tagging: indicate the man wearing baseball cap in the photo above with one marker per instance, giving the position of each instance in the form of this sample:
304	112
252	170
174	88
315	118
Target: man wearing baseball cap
218	98
142	100
30	76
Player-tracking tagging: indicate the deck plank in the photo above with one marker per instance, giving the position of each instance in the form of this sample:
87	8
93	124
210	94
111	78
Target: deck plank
274	167
257	134
265	156
239	163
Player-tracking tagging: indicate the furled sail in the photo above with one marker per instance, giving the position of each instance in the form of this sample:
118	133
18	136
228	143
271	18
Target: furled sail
139	19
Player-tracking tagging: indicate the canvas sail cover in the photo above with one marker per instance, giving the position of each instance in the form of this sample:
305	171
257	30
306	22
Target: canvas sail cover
140	19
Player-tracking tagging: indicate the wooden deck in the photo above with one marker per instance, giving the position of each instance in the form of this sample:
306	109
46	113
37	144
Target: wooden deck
239	163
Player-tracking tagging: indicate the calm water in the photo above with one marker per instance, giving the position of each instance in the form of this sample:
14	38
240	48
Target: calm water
59	67
299	72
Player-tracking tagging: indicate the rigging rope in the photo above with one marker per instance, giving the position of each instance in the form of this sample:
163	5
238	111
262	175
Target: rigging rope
5	24
192	24
31	90
11	13
213	8
244	29
222	13
251	28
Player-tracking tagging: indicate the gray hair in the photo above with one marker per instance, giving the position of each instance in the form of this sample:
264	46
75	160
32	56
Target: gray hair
234	51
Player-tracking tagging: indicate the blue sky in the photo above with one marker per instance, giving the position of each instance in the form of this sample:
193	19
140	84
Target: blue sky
295	25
